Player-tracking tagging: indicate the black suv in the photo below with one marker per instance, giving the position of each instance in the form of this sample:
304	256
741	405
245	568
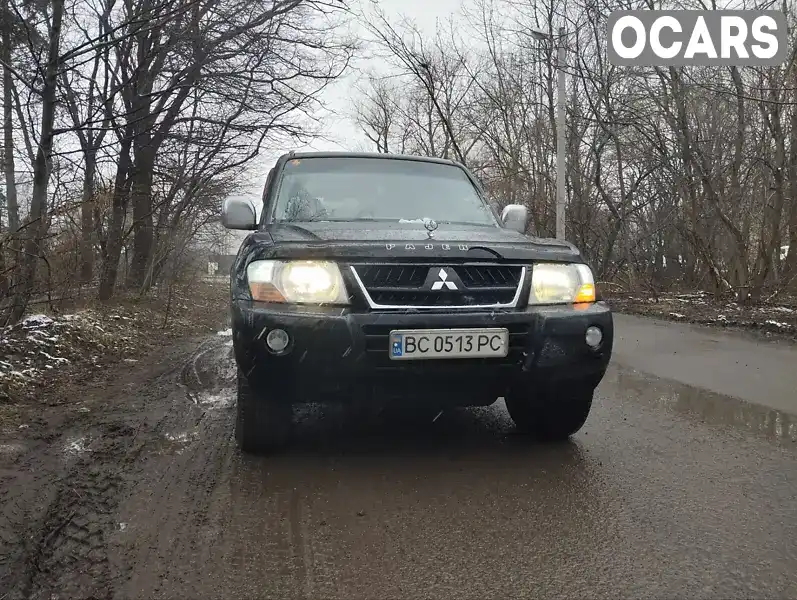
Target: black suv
377	278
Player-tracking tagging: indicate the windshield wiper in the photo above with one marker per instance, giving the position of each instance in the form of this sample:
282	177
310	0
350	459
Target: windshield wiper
474	223
441	222
360	219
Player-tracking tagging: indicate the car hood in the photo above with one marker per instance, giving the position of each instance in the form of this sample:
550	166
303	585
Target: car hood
408	240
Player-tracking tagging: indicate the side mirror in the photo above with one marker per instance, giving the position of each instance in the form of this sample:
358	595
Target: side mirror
238	213
515	217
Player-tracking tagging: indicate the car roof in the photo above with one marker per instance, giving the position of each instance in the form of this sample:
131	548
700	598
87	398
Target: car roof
347	154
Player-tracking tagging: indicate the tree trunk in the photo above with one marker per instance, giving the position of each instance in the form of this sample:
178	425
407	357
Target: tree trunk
10	195
37	230
110	267
143	229
87	219
8	128
790	268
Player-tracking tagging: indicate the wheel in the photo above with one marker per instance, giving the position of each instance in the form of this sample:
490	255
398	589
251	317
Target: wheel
552	415
263	423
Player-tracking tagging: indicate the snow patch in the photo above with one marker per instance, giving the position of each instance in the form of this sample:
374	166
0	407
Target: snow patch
777	324
225	333
53	358
25	373
37	322
677	315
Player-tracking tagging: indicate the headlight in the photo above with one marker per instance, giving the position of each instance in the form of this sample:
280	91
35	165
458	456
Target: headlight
561	283
296	282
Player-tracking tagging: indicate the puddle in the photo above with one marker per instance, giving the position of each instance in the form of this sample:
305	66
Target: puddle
709	407
174	442
210	377
180	438
229	370
216	399
75	446
11	450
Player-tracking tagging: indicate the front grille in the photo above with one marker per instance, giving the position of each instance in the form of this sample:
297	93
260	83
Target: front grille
457	285
480	276
387	276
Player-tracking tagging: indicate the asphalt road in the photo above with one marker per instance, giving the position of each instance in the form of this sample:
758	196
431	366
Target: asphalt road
671	490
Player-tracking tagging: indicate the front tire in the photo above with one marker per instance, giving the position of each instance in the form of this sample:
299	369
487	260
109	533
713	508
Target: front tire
263	422
552	415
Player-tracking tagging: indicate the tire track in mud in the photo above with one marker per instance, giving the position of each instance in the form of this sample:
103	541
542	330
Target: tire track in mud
63	550
301	546
182	470
194	516
59	519
72	539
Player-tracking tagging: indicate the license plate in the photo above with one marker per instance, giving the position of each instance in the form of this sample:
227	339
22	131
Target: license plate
420	344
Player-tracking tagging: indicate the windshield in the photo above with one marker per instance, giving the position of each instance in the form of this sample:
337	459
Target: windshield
376	189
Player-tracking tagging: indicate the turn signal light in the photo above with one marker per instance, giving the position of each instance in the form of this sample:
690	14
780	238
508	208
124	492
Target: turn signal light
586	293
265	292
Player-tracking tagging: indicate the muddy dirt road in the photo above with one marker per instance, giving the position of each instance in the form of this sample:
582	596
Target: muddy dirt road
138	492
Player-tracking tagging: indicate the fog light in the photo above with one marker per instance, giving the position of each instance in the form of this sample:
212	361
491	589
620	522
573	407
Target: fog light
277	340
594	336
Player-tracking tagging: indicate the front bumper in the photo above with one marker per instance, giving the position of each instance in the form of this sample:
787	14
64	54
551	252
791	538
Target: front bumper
338	353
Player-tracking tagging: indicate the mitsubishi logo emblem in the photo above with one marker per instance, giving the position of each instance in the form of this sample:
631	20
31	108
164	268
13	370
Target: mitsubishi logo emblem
431	227
443	281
